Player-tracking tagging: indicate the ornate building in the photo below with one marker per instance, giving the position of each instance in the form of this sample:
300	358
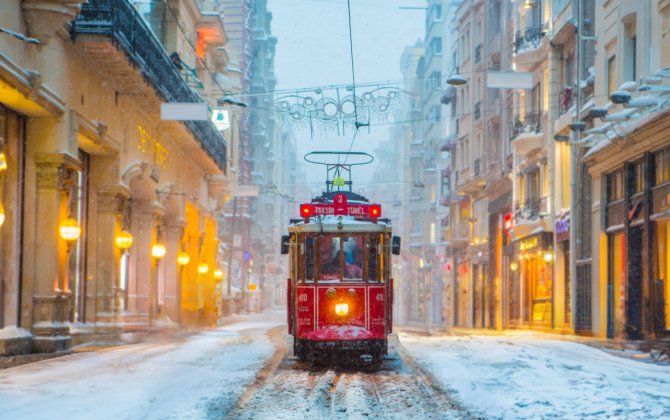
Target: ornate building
101	197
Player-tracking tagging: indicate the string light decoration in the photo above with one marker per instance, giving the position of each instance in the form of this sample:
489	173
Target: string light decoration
337	108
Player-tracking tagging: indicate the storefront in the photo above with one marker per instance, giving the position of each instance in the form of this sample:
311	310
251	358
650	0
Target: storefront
12	141
534	278
660	222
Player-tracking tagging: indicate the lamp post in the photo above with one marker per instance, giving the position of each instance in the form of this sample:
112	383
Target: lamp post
123	240
183	259
158	251
69	231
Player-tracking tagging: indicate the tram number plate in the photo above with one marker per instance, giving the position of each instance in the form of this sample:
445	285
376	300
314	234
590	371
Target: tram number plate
305	310
377	311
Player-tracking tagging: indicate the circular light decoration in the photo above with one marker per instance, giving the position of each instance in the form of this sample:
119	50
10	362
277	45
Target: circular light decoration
69	230
183	258
203	268
124	240
218	274
158	251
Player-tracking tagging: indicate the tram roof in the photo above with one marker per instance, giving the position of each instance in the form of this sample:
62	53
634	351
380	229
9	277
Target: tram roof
329	224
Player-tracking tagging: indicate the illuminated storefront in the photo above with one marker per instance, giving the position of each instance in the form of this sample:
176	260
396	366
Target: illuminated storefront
532	274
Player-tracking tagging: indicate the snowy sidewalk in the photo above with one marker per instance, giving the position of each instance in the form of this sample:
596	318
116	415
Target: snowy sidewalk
194	377
522	376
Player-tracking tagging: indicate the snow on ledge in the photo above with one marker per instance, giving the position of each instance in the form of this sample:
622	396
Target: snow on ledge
14	332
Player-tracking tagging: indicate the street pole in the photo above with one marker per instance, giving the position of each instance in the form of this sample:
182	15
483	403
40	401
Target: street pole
574	194
232	246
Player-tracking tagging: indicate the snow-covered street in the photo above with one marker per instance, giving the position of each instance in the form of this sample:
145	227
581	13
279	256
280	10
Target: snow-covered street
199	377
245	370
518	375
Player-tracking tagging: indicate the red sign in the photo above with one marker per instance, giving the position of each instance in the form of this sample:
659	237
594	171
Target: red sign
340	202
372	210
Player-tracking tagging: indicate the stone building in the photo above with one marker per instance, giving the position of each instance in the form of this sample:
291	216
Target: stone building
91	166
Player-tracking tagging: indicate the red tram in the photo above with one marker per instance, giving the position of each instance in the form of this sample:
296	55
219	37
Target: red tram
340	293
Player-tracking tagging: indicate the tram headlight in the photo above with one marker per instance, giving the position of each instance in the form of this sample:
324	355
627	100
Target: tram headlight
342	308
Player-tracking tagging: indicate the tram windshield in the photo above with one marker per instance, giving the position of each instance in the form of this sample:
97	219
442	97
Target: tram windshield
343	257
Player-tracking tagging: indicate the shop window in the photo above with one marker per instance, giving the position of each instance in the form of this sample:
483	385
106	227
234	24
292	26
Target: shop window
615	186
11	182
78	202
662	164
617	285
662	280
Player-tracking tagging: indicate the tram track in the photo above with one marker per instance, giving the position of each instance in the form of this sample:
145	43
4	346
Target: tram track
286	388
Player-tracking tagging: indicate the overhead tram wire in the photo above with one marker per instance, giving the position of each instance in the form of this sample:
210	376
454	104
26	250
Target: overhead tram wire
357	124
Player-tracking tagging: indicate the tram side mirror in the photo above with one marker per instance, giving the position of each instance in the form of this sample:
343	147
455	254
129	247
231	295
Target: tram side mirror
284	244
395	245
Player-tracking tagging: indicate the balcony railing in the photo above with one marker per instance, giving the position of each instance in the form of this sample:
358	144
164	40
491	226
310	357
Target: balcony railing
530	123
123	24
528	38
530	208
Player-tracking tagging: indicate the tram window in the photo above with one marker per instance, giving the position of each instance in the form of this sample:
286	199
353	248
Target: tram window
373	259
329	258
309	259
353	257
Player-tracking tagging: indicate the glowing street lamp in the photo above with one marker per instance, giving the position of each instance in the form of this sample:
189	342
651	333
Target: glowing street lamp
123	240
549	255
158	250
218	274
69	230
183	258
203	268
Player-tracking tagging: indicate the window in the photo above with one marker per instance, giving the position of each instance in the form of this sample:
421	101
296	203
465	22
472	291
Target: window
615	186
639	170
662	268
662	164
352	248
416	223
436	46
329	258
536	99
611	75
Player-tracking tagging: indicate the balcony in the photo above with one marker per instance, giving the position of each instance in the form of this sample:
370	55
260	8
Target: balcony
449	143
527	43
107	26
531	214
470	184
527	133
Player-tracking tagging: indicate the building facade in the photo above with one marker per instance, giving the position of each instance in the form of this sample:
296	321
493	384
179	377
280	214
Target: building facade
100	195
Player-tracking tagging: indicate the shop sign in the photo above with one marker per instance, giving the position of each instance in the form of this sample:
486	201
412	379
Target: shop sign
529	244
562	229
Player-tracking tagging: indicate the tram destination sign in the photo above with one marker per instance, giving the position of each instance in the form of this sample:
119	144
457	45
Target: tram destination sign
340	207
346	210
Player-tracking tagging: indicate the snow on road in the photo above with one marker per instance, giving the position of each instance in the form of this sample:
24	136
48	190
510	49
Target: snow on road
523	376
199	377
